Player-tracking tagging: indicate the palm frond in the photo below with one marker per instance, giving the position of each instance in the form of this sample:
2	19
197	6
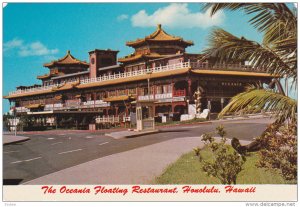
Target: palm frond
215	7
258	99
226	47
276	20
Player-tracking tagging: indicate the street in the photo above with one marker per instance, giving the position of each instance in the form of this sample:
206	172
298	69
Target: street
46	153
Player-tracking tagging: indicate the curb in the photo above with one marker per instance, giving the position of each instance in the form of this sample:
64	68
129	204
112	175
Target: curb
188	124
242	119
133	135
17	141
146	133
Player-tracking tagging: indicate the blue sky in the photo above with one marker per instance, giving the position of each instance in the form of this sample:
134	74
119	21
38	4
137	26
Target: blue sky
34	33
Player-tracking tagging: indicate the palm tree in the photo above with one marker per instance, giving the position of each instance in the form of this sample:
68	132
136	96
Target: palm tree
277	54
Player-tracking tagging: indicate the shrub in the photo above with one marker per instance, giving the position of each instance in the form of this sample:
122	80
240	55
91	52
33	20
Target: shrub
279	150
197	151
226	163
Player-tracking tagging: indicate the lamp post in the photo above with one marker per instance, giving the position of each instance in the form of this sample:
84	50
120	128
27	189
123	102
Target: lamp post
187	101
222	103
15	119
149	72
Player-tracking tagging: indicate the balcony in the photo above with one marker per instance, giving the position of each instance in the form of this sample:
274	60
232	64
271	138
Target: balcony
21	109
107	119
163	96
229	67
96	103
75	104
35	89
182	65
137	73
52	107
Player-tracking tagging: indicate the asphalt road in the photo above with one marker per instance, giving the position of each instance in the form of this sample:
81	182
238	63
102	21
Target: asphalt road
47	153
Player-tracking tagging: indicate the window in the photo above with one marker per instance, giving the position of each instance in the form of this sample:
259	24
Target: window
159	89
165	89
122	92
145	91
132	91
111	93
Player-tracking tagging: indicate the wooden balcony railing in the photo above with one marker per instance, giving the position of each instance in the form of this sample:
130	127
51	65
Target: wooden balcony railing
137	73
231	67
21	109
192	65
79	105
108	119
155	97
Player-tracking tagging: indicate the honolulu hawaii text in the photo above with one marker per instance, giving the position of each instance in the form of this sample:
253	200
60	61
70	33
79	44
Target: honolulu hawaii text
136	189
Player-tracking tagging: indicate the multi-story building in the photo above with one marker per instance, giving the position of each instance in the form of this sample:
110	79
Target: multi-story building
77	93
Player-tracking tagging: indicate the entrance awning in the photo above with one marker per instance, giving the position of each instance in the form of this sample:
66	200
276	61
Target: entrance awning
40	112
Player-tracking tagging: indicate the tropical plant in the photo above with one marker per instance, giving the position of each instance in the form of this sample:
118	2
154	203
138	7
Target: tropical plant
279	150
277	54
225	164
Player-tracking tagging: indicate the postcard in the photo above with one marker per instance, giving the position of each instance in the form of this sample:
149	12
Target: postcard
150	102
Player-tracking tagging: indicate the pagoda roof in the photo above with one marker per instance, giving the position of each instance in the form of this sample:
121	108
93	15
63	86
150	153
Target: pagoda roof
158	36
26	87
70	75
68	59
134	57
66	86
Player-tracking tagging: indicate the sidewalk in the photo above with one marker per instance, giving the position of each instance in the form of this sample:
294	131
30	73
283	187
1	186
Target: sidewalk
10	139
138	166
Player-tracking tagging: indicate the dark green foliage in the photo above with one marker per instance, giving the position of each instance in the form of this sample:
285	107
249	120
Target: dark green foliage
279	150
226	163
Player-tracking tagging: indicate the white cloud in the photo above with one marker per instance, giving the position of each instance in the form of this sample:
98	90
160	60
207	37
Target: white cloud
177	15
36	49
15	43
29	49
122	17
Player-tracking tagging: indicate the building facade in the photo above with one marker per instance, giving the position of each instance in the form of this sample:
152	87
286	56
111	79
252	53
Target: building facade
75	93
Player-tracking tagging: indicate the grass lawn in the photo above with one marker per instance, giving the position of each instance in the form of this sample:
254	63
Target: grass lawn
188	170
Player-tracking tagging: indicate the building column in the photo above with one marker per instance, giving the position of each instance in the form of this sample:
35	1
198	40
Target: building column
126	109
190	88
173	89
116	111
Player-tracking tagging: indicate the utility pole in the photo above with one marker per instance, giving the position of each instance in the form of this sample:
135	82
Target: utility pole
149	72
15	120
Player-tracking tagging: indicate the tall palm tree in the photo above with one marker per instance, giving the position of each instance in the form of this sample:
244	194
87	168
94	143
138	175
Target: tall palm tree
277	54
